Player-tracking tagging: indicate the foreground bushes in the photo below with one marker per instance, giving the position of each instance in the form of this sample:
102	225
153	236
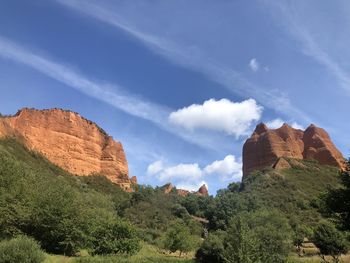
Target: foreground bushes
57	209
261	236
21	249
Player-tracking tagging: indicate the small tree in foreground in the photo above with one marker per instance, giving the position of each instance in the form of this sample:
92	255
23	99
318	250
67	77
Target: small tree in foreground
330	241
179	238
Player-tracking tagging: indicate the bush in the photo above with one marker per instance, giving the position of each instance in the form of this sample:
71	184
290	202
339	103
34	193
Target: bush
330	241
212	249
114	237
21	249
179	238
262	236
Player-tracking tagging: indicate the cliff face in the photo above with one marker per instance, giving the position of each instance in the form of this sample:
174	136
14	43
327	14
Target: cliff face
266	146
69	141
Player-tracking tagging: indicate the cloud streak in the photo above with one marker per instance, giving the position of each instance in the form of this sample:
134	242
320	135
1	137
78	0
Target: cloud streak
193	59
310	46
112	94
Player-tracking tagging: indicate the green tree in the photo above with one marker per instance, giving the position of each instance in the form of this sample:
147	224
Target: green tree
212	249
111	236
240	244
337	201
330	241
179	238
261	236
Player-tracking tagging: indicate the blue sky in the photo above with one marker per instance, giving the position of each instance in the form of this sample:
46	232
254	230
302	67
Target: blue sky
181	83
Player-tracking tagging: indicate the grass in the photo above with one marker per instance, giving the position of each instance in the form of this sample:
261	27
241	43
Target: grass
148	254
315	259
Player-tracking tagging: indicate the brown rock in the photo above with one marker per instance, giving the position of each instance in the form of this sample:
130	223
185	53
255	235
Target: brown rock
70	141
182	192
281	164
167	188
266	146
133	180
202	191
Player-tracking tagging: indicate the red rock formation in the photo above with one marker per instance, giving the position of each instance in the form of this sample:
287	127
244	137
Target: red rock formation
133	180
68	140
281	164
203	191
266	146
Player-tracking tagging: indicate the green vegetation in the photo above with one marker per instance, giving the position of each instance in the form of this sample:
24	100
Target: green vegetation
330	241
42	201
178	238
66	213
21	249
336	202
89	219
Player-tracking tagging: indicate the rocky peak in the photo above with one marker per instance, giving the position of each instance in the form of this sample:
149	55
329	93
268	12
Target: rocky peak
70	141
260	128
266	146
203	190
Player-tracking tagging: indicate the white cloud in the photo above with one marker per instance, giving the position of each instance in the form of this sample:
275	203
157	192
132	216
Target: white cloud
277	123
254	65
190	172
228	169
296	125
234	118
191	176
155	167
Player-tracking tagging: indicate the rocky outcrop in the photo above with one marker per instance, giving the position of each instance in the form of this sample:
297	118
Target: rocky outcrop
281	164
70	141
266	146
168	188
203	191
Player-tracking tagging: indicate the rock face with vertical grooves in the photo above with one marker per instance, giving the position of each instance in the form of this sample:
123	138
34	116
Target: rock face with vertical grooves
70	141
265	147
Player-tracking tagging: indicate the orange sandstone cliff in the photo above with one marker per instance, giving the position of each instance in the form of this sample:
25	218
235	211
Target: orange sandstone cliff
70	141
266	146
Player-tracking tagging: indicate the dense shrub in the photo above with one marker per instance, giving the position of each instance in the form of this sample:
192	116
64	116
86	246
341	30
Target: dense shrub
21	249
336	202
261	236
179	238
330	241
114	237
211	251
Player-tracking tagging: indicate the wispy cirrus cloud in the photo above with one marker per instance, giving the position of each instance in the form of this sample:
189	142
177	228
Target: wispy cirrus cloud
192	58
112	94
311	45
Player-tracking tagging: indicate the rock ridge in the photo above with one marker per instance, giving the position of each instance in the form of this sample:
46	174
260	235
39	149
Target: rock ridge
265	147
70	141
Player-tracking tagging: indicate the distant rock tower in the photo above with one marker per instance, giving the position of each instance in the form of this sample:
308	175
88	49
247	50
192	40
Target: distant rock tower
265	147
